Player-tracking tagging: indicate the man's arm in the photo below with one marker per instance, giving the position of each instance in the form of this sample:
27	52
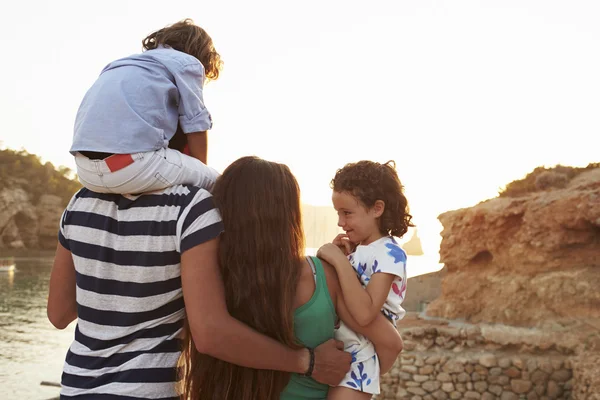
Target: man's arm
62	305
198	144
218	334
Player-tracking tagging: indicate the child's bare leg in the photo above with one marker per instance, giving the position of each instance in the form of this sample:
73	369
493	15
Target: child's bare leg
387	358
344	393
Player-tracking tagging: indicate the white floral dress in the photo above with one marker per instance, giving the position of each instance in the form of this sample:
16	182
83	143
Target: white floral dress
383	255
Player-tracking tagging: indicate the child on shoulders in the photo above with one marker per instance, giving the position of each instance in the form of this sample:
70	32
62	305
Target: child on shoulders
126	119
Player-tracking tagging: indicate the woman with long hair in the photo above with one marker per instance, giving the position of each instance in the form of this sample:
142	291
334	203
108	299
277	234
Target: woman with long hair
272	287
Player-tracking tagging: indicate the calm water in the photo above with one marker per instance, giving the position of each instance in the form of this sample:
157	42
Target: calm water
32	350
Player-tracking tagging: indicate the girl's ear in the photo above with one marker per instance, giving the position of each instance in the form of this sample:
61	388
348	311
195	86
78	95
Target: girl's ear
378	208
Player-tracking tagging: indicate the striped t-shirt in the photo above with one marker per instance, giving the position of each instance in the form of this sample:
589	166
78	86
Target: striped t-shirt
126	251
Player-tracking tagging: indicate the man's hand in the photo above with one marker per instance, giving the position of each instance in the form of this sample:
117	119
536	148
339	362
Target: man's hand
332	254
331	362
344	244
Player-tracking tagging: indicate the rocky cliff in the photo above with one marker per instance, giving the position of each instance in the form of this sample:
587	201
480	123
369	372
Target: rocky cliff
29	225
32	197
531	260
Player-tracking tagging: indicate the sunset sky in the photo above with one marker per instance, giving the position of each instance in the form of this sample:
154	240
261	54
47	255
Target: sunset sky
465	96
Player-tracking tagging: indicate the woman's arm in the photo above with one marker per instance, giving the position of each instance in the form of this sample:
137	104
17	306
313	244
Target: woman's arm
363	303
62	305
388	342
218	334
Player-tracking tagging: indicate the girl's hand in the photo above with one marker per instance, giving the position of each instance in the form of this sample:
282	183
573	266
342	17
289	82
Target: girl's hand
344	243
332	254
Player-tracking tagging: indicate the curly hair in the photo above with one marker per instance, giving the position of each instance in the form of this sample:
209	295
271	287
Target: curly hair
370	181
187	37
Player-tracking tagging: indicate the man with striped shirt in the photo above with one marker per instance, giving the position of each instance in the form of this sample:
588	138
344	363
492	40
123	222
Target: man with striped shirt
123	267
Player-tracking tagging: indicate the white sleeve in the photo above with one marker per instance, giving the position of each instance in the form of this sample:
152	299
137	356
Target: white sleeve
390	258
199	222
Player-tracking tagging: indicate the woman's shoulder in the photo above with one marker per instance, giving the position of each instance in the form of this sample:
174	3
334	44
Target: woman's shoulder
308	281
331	278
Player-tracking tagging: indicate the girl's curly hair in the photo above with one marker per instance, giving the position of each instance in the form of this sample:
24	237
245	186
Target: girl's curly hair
370	181
187	37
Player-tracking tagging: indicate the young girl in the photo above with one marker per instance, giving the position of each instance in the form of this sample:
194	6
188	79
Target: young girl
372	209
126	119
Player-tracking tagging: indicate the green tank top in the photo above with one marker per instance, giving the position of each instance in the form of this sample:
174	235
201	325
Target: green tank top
314	324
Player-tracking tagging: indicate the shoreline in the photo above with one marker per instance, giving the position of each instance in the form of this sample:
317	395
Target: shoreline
27	253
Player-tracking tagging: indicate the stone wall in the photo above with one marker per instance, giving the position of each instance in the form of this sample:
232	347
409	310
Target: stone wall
518	316
423	290
481	362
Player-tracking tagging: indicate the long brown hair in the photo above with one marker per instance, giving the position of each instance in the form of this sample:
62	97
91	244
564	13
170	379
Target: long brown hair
260	254
189	38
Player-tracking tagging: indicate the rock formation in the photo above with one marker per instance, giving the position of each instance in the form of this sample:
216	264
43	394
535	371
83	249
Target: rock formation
48	210
413	246
519	311
24	225
525	261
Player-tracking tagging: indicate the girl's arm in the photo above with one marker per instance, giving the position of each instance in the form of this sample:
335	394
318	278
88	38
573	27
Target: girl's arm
364	304
388	342
62	305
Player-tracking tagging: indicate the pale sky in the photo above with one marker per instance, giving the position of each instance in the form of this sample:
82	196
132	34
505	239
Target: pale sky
466	96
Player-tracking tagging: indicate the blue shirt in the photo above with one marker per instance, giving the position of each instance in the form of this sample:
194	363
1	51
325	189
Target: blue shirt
136	102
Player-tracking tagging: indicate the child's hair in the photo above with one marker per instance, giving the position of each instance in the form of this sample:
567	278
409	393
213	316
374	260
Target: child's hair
370	181
187	37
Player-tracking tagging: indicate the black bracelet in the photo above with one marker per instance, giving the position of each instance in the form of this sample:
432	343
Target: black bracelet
311	364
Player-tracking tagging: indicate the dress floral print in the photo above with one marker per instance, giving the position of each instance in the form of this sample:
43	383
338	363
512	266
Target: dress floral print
360	380
382	256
